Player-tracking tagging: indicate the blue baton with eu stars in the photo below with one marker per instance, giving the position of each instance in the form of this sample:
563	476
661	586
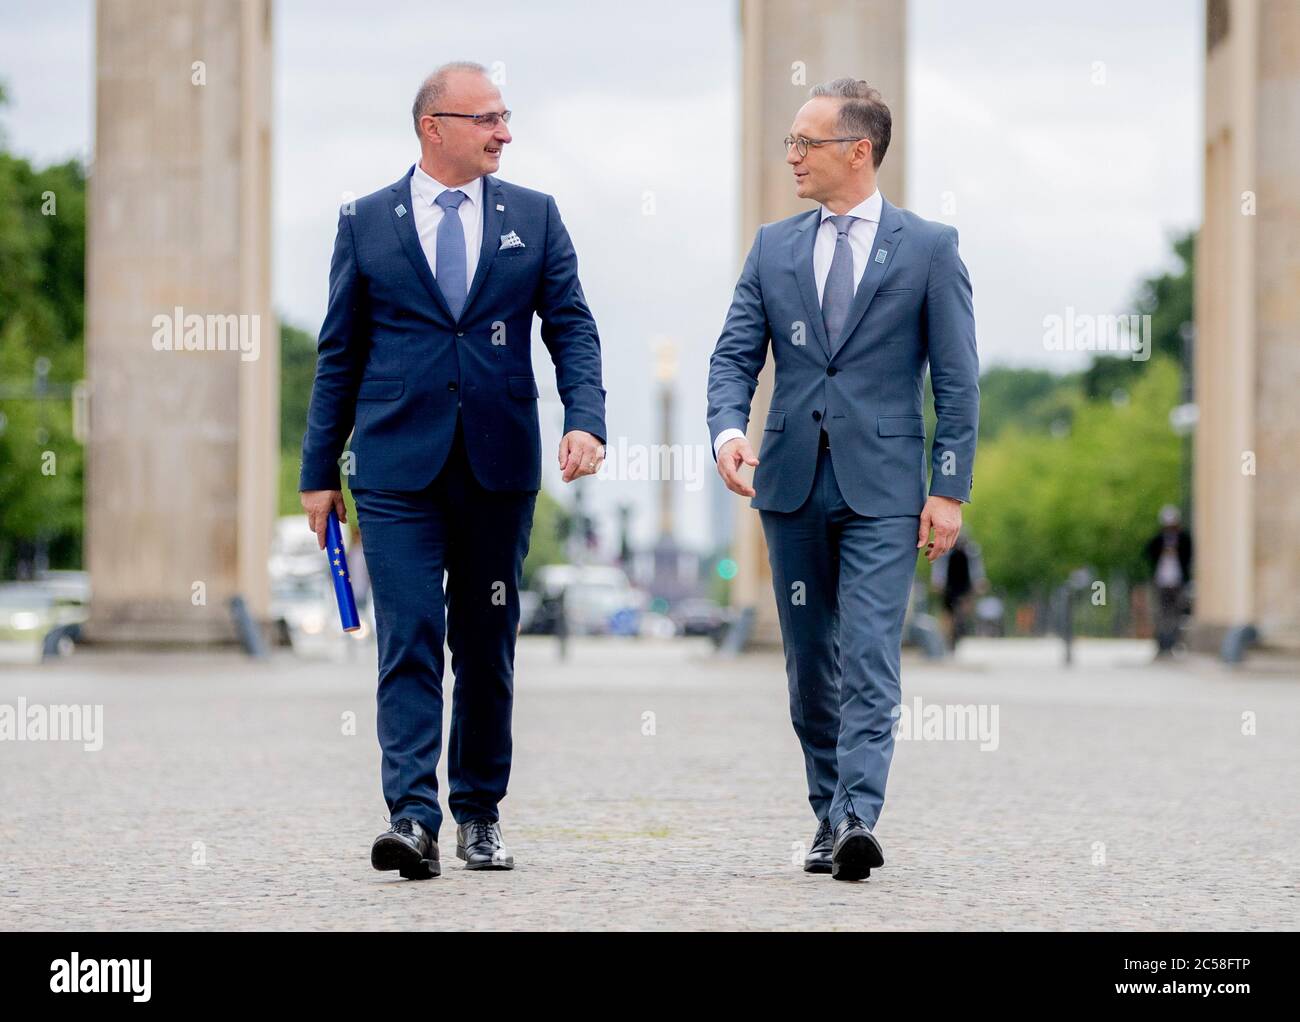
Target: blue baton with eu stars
339	572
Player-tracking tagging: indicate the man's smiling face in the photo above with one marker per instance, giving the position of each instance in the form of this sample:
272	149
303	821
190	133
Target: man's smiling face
469	148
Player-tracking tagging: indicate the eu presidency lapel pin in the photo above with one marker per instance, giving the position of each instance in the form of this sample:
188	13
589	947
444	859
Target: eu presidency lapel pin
881	254
400	210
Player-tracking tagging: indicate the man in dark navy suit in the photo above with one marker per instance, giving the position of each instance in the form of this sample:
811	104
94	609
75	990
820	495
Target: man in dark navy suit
425	359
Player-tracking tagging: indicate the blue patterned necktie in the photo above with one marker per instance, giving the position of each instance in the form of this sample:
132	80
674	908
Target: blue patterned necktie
451	252
837	295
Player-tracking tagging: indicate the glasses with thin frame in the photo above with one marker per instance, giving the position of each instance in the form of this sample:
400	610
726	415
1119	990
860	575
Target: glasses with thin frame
803	144
483	120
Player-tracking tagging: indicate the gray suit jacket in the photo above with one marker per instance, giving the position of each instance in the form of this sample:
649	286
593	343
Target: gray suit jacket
865	387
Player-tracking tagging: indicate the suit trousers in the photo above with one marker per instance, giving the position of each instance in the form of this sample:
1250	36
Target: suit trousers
842	583
479	538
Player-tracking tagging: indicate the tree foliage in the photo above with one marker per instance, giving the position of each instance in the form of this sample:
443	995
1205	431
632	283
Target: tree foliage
42	314
1072	470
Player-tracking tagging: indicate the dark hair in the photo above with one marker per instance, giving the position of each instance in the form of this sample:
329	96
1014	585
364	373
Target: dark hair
863	112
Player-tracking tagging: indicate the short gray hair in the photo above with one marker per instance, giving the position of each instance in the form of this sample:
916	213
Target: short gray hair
434	87
863	113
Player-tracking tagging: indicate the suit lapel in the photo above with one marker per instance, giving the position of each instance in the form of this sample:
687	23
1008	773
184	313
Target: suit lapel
801	251
404	224
888	235
492	220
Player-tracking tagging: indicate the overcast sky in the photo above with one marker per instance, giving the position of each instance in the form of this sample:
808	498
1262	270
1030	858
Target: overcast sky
1067	135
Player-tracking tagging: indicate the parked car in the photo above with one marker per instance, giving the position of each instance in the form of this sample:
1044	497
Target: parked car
30	610
309	609
698	616
294	550
598	600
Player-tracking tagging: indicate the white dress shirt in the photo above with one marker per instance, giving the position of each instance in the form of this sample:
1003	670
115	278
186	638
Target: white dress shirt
862	235
428	215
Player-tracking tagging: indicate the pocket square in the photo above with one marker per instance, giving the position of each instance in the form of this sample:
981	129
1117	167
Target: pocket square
511	240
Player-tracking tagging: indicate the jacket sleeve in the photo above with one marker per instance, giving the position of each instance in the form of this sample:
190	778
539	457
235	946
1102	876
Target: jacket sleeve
569	332
340	359
954	370
741	351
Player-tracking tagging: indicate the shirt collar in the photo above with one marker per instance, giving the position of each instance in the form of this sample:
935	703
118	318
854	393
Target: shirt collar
426	189
867	209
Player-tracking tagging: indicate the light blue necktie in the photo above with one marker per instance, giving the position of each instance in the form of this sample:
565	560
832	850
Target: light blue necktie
451	252
837	295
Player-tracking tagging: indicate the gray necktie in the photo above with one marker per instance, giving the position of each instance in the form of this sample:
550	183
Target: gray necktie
451	252
837	296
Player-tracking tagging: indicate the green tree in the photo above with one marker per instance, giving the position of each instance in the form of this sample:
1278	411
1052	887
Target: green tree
297	371
42	316
1072	469
545	545
1167	299
1031	399
1046	503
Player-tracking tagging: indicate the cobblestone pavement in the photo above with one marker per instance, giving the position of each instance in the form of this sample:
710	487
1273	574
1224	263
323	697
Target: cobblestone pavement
1117	797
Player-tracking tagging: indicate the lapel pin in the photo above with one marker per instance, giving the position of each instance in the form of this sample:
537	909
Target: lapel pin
400	210
500	208
880	255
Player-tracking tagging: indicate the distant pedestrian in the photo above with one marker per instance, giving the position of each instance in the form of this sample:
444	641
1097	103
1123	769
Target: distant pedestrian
957	576
1169	552
562	621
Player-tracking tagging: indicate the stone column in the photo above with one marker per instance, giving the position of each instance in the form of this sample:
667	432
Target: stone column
788	47
1246	525
183	449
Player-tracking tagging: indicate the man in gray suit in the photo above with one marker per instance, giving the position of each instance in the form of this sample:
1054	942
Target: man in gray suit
855	298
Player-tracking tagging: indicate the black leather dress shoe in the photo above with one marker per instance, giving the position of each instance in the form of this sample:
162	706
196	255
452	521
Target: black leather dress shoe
818	859
408	848
856	850
479	844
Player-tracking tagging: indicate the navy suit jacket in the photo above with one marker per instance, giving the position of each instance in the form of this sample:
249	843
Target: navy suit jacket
394	367
912	307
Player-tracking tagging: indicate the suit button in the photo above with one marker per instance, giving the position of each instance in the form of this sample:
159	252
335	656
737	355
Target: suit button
451	385
460	333
831	370
817	416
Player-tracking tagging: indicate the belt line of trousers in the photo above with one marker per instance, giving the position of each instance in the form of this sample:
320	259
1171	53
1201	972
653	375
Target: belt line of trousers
480	538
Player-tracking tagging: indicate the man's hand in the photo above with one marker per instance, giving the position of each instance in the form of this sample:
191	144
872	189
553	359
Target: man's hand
581	454
943	514
318	504
733	454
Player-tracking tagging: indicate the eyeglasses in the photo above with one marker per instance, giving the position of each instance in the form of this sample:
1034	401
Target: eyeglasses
485	120
804	143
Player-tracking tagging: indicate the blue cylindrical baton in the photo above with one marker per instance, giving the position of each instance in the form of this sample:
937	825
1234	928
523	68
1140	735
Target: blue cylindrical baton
339	572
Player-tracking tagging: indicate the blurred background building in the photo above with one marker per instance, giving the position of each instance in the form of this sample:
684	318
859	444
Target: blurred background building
1247	520
140	488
